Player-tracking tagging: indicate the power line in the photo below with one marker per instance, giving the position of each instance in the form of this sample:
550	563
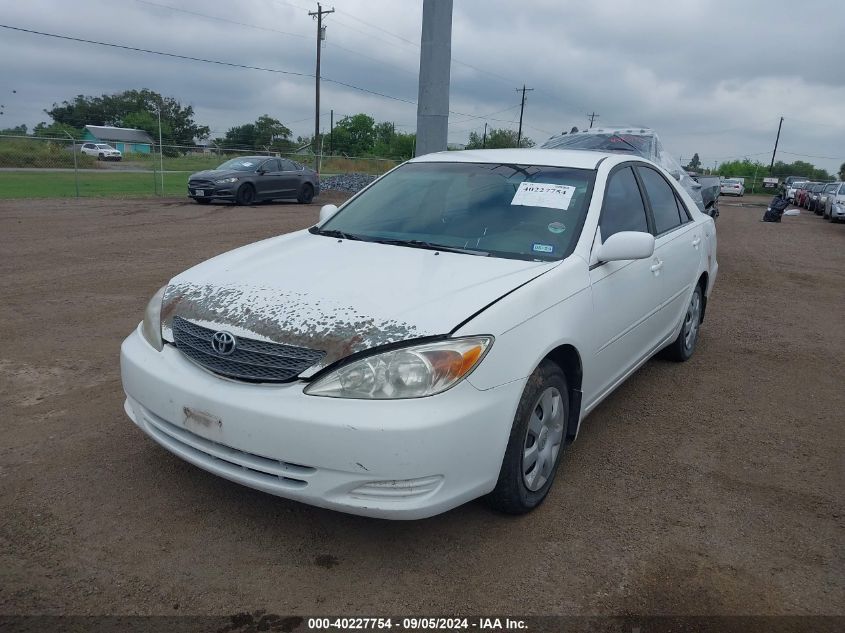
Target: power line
206	61
226	20
811	156
271	30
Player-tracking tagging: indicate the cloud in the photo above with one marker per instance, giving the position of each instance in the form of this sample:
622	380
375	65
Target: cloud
712	76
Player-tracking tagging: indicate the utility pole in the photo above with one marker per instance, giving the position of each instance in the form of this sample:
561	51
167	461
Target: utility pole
331	134
521	110
592	117
321	35
484	138
435	67
772	164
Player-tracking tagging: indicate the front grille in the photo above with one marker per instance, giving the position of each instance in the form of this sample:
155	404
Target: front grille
200	184
252	360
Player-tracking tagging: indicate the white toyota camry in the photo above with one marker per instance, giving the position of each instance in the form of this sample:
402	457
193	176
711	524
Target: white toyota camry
439	337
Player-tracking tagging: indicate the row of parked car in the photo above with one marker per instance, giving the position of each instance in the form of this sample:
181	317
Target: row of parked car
826	199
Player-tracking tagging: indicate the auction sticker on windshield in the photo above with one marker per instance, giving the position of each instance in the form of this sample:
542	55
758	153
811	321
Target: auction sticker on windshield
538	194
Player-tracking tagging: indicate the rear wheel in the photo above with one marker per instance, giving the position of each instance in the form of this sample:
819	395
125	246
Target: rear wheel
306	194
536	442
245	195
684	346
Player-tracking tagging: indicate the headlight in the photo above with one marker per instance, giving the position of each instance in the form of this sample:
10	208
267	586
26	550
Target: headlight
224	181
151	328
410	372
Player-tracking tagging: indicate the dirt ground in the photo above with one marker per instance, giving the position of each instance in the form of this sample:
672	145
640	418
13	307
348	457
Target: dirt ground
710	487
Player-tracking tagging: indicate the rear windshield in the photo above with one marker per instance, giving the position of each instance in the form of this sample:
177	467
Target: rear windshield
526	212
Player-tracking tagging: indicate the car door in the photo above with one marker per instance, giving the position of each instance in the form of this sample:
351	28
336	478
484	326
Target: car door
626	294
268	179
292	177
89	149
677	246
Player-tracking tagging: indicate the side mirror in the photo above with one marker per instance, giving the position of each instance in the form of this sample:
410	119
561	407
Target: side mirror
327	211
626	245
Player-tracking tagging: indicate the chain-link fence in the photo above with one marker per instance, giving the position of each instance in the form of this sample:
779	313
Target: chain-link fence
38	167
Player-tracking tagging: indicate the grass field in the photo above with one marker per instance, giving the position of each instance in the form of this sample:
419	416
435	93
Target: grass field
330	164
91	184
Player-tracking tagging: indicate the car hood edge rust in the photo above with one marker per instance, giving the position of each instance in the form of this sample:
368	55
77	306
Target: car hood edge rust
339	296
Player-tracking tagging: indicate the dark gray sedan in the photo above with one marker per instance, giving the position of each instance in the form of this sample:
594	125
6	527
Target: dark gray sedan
250	179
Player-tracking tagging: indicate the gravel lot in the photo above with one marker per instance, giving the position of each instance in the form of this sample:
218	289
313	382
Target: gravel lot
712	487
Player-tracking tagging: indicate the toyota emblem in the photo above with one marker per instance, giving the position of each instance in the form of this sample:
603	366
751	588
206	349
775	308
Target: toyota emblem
224	343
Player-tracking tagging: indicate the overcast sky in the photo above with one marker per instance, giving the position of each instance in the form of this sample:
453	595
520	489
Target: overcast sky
710	76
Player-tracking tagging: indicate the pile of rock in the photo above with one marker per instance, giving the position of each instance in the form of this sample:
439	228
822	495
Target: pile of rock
350	183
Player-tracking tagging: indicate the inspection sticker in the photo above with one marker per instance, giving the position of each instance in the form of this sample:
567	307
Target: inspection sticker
538	194
543	248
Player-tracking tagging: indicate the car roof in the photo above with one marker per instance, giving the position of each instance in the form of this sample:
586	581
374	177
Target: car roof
579	159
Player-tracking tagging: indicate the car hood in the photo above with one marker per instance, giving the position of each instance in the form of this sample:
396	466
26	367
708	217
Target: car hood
216	174
339	296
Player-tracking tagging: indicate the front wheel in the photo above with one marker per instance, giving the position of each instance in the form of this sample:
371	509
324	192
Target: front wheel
306	194
684	346
245	195
536	443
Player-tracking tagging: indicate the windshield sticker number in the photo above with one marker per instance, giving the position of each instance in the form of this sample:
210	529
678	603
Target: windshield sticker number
542	248
538	194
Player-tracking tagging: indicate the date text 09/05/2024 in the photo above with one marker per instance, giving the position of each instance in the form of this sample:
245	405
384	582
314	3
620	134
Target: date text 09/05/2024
412	624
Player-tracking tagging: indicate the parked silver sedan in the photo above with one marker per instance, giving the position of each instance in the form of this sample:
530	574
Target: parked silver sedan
732	187
834	205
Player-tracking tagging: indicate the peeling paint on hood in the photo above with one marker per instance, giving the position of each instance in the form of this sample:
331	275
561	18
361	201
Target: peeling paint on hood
340	297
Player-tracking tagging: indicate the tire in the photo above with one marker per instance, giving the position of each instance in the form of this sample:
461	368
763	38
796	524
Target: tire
538	433
306	194
245	195
100	157
684	346
203	200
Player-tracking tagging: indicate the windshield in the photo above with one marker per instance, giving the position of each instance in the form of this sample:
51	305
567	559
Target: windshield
515	211
241	164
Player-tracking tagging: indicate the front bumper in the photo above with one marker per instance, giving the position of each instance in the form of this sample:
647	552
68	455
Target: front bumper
837	212
211	191
399	459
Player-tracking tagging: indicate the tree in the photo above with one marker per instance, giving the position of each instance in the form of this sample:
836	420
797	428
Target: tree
56	130
265	133
241	136
354	135
270	132
694	164
842	171
18	130
129	106
496	139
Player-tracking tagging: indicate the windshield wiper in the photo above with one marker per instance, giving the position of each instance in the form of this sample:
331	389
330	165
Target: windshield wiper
430	246
335	233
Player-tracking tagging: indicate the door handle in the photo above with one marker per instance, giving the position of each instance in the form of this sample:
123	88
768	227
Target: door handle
696	241
655	268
